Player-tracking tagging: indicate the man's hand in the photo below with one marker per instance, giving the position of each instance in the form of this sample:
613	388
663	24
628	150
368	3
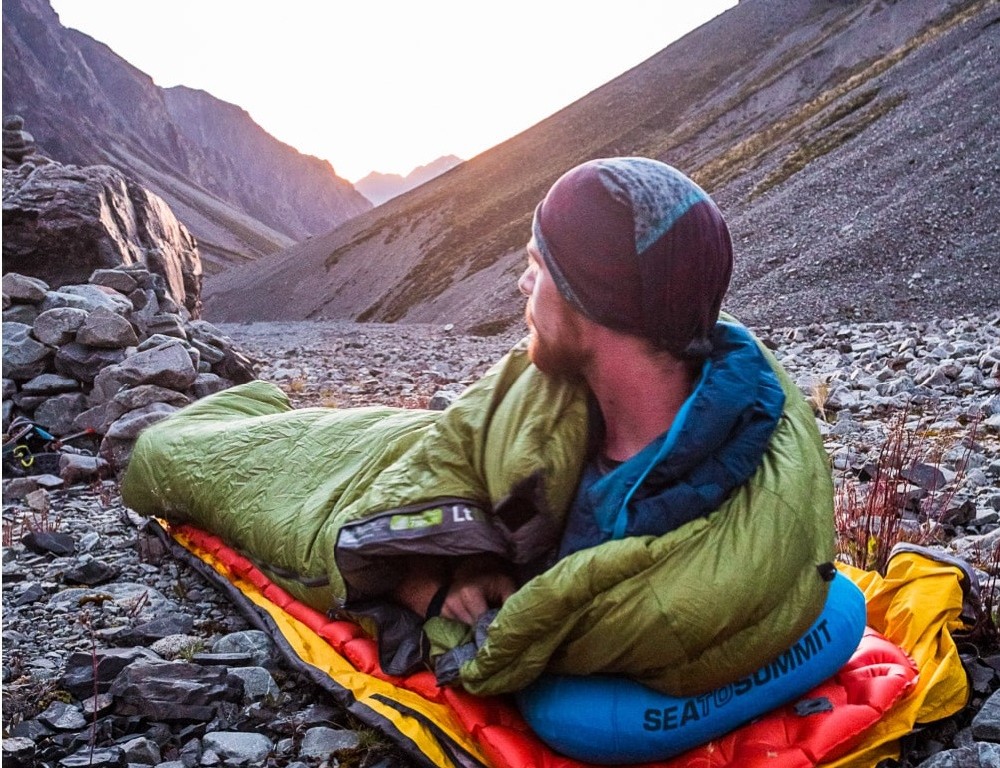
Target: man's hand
474	585
477	585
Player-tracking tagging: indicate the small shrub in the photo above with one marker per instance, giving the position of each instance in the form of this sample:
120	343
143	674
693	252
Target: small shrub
818	398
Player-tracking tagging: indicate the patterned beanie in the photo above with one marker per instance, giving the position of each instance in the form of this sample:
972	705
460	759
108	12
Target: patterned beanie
635	245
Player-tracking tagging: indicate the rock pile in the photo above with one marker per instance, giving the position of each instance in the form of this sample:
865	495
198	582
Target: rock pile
18	144
110	356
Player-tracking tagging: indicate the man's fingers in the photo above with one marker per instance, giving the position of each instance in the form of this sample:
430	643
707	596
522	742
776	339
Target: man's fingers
465	603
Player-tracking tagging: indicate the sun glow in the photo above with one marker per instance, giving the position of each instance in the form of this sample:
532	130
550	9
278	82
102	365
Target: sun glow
388	85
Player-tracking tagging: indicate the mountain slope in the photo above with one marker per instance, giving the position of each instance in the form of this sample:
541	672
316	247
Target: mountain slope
239	190
849	145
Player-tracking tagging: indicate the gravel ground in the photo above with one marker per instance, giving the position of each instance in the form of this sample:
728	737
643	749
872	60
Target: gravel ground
864	372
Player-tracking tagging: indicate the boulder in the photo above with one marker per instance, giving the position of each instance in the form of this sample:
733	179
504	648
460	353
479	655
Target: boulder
104	328
23	357
93	297
168	365
59	325
174	691
63	222
48	384
84	363
57	413
20	313
22	289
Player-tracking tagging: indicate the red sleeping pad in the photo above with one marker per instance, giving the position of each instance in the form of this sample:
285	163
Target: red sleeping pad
490	731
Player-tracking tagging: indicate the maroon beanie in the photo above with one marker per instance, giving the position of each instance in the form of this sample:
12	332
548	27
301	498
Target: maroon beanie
635	245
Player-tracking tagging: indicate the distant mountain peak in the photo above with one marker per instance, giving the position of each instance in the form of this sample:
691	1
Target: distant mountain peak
381	187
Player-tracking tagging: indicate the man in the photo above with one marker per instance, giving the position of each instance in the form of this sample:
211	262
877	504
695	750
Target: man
627	267
641	492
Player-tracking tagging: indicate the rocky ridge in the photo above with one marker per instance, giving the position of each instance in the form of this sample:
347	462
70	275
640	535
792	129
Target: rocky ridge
208	159
101	584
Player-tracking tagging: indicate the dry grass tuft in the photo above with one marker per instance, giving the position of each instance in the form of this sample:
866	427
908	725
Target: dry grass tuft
871	518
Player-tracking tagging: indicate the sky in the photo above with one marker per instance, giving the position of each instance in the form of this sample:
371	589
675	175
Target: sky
388	85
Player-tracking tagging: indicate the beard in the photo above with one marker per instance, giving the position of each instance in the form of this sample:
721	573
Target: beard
560	355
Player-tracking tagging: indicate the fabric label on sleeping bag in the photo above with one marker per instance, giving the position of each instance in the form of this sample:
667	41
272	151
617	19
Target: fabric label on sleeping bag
695	708
366	549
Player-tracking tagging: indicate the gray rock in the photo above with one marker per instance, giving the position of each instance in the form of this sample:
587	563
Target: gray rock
104	328
236	367
177	646
146	394
90	573
63	717
251	641
979	755
9	388
166	324
209	353
50	384
322	742
18	752
49	542
161	627
59	326
129	426
61	300
98	297
139	600
257	682
96	705
95	218
117	279
58	413
442	399
23	357
142	751
75	468
19	487
117	452
208	384
168	365
238	748
105	757
16	331
78	677
153	341
204	331
21	313
108	383
83	362
23	289
101	417
986	724
174	690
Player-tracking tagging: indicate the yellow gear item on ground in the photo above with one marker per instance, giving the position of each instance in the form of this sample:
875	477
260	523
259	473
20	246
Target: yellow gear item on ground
917	605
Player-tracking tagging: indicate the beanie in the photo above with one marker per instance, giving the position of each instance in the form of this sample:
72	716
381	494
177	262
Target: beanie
635	245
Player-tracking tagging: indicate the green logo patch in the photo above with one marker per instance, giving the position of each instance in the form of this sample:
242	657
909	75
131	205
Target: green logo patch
426	519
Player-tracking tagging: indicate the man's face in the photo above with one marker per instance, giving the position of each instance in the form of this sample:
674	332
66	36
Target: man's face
557	333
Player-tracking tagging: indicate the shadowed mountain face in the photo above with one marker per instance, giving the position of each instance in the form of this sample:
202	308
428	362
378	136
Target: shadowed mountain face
853	146
238	189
